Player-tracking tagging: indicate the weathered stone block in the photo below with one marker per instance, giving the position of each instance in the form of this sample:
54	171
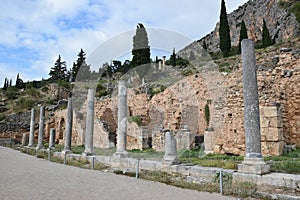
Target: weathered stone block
264	122
274	134
253	166
275	122
272	148
271	111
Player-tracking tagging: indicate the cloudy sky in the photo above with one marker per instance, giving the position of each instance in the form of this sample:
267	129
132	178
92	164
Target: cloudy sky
35	32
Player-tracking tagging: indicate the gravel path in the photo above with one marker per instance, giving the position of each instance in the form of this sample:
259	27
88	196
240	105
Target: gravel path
26	177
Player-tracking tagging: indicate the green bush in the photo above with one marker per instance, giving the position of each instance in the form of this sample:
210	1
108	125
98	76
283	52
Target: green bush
11	93
156	90
296	10
33	92
136	119
25	103
101	90
64	84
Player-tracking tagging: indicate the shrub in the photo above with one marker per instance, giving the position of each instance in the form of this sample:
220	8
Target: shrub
33	92
296	11
25	103
11	93
136	119
101	90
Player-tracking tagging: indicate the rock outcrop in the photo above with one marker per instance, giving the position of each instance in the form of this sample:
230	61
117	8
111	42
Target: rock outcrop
281	23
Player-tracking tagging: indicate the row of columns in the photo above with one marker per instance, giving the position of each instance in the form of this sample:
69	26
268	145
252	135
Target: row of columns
253	161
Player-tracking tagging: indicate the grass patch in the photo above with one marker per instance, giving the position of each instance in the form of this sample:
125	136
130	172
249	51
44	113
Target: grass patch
197	157
149	154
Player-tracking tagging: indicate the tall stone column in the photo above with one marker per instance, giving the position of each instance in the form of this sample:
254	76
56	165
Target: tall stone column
170	156
41	128
32	125
253	161
52	138
122	120
69	123
89	134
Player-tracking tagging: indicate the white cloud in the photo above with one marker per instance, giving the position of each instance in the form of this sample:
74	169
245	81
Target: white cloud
46	28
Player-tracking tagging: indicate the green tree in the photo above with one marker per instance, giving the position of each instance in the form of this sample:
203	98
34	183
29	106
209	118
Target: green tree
243	34
84	72
207	115
59	70
80	60
224	31
173	58
5	86
266	38
141	48
19	82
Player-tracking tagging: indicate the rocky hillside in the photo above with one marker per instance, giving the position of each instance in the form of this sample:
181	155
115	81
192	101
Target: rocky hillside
282	24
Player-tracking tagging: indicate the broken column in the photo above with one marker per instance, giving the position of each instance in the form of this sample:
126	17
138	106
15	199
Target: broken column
41	128
69	122
170	156
52	138
253	161
24	139
89	133
122	120
32	126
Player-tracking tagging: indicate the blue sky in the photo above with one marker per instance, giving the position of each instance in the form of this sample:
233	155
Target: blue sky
35	32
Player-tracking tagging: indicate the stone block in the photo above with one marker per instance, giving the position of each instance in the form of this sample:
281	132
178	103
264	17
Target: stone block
271	111
253	166
275	122
274	134
272	148
264	122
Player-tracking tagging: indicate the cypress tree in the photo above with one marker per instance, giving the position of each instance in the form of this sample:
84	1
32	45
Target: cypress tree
266	38
243	34
173	58
5	86
224	31
141	48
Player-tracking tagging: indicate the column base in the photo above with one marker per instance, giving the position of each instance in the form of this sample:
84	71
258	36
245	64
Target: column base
254	166
65	152
170	160
86	154
121	154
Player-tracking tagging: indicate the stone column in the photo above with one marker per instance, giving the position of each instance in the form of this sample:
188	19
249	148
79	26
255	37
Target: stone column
170	156
253	161
32	125
89	134
69	122
41	128
24	140
122	120
52	138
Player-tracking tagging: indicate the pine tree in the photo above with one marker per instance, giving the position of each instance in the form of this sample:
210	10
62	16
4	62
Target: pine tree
84	72
59	70
141	49
243	34
224	31
10	83
266	39
80	60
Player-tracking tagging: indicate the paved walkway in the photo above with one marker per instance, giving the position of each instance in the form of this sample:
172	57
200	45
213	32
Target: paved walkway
26	177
